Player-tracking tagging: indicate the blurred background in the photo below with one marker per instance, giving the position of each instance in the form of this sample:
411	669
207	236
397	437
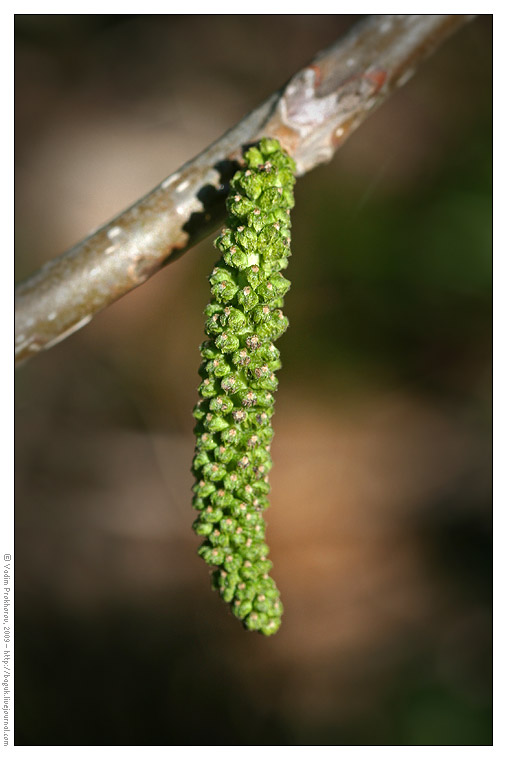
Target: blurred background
380	525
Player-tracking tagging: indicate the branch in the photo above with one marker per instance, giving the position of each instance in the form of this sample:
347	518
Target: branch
311	116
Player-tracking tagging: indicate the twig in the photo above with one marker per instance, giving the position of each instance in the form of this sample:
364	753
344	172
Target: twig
312	115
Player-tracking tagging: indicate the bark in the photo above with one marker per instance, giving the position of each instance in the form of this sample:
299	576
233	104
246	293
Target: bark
312	115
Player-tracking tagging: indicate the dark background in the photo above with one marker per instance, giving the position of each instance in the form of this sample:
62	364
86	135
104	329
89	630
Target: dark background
380	526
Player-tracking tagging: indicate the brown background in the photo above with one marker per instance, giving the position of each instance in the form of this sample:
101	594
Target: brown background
380	520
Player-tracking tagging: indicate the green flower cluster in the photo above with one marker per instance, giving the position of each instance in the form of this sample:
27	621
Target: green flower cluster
233	430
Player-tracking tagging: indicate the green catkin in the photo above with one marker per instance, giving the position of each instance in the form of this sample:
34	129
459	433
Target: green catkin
244	318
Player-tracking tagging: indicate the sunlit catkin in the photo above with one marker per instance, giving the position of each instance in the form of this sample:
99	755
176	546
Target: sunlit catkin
243	319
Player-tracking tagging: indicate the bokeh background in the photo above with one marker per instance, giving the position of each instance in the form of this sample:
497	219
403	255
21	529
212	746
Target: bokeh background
380	526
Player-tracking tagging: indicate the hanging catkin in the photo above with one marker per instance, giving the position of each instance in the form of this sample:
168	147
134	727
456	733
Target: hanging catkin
244	318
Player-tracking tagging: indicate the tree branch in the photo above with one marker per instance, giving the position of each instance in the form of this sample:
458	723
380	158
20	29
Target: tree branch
311	116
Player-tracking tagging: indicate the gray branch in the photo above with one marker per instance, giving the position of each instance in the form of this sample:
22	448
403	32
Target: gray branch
311	116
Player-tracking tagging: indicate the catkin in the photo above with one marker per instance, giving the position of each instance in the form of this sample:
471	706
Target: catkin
234	432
